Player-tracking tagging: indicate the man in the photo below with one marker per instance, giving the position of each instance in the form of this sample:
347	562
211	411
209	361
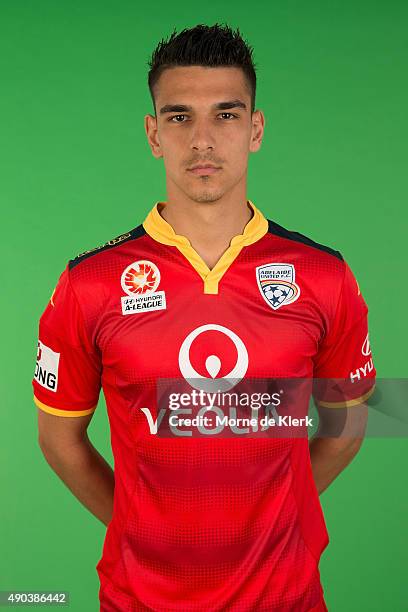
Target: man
206	290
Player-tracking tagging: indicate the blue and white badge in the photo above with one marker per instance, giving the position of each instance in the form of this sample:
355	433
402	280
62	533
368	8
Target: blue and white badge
276	282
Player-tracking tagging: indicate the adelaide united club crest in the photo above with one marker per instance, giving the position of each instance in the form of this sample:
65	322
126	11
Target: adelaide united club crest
276	282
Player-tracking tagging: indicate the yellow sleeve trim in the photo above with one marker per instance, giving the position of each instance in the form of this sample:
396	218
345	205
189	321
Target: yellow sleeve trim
347	403
64	413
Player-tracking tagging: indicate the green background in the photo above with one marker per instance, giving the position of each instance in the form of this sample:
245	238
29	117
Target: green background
76	171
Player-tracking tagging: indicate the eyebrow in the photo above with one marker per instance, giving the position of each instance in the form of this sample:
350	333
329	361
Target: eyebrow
184	108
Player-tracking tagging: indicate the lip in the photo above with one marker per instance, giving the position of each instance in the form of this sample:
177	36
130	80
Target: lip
204	169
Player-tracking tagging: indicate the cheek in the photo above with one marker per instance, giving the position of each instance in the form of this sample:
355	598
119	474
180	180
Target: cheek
172	154
236	143
237	152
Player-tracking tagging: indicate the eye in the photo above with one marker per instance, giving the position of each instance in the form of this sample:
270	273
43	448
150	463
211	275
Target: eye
228	116
178	118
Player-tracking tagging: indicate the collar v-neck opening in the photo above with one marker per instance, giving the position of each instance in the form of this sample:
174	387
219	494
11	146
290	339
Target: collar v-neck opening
159	229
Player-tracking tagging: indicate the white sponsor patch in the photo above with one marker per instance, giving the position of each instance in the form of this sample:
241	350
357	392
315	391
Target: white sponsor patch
143	303
46	368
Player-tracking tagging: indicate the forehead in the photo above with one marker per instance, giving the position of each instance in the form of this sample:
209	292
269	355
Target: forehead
189	84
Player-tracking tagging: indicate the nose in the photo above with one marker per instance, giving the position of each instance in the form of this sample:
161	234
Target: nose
202	137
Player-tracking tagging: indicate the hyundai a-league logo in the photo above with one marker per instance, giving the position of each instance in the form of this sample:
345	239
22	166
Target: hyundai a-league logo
276	282
139	281
140	277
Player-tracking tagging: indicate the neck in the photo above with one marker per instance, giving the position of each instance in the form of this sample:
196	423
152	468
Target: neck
209	226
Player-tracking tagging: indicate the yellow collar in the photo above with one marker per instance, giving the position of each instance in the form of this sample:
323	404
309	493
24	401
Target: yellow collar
159	229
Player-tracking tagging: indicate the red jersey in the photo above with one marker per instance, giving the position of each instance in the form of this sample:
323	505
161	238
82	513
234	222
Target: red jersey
203	523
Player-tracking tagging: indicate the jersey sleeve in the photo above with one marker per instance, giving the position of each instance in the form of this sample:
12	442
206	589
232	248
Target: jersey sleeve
67	377
344	372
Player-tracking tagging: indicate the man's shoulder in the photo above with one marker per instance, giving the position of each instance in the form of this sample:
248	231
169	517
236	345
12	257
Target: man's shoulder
303	241
110	245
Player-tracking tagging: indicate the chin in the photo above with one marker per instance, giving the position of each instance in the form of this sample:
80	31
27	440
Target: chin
205	194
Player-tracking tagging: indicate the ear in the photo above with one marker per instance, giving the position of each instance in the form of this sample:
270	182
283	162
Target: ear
150	123
257	130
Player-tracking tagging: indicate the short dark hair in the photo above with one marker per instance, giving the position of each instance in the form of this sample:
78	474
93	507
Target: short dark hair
203	45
